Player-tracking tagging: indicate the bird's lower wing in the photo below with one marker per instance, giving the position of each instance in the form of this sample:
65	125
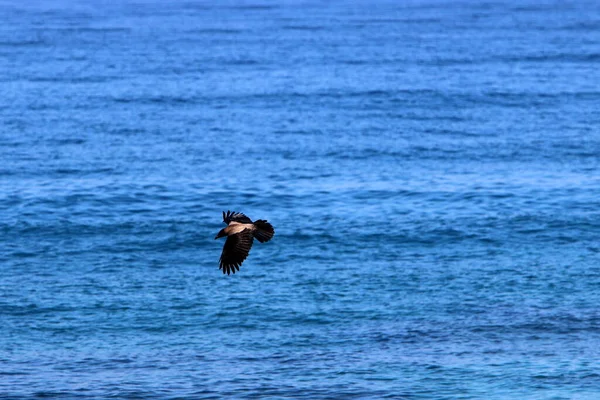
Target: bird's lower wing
235	251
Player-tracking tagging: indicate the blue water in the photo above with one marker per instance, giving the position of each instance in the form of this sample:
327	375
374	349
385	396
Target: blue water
432	170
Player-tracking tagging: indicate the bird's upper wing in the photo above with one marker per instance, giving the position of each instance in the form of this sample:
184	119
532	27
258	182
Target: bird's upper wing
235	216
235	251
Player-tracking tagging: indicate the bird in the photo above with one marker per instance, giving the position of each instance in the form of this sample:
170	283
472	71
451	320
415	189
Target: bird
240	232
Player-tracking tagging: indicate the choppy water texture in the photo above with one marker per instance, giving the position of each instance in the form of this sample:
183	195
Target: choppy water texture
431	168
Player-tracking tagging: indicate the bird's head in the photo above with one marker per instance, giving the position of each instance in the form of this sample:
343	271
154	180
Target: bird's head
221	234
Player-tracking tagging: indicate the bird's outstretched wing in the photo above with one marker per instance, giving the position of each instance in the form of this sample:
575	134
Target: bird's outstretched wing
235	251
235	216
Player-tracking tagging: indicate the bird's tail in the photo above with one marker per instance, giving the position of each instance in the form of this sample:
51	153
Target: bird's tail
264	230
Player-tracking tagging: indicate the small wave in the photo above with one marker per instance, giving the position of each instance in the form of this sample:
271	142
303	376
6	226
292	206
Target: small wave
24	43
75	79
216	31
253	7
553	58
309	28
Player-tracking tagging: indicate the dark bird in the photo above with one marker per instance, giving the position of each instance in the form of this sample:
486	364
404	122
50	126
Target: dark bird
240	232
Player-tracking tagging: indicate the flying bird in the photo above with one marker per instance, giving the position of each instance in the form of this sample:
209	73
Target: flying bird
240	232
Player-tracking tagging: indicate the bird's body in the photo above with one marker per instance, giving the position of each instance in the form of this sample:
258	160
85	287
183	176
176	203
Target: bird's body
235	227
240	233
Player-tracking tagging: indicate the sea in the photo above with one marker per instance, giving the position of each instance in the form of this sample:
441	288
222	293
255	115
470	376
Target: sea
431	168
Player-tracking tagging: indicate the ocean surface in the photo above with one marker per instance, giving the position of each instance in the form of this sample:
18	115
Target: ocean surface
432	170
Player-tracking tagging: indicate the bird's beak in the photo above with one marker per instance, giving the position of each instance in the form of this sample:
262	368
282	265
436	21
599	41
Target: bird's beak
216	237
